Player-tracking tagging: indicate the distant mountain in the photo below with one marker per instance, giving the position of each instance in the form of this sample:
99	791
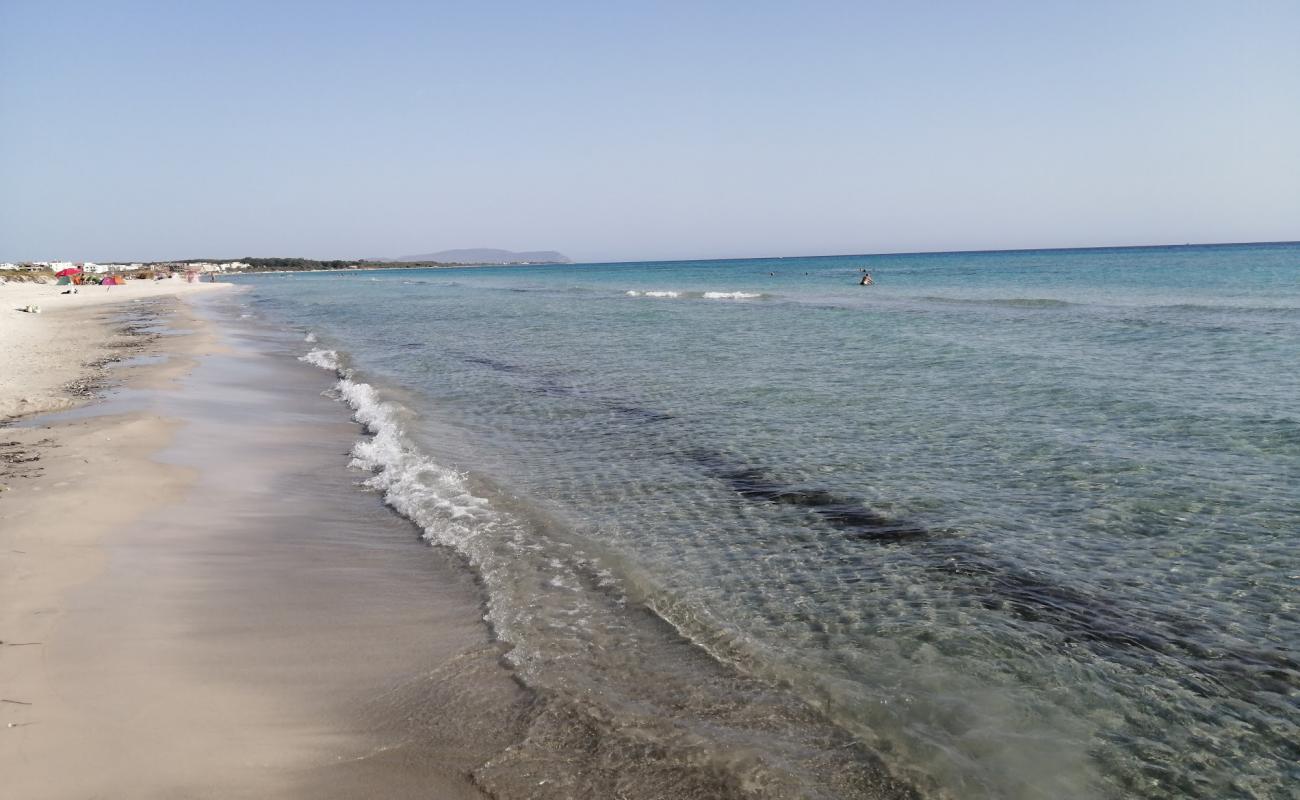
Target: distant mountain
487	255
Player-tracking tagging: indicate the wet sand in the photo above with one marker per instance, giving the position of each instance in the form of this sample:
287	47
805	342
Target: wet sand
197	601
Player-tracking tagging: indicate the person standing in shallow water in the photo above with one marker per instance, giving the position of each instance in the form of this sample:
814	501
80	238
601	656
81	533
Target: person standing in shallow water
866	279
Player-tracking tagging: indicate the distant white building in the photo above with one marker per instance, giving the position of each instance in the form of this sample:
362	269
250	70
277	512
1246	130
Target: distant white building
54	265
208	266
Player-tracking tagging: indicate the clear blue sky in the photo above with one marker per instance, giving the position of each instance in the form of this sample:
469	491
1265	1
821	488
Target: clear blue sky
612	130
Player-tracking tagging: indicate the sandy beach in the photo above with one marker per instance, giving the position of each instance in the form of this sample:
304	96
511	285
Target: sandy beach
45	351
195	600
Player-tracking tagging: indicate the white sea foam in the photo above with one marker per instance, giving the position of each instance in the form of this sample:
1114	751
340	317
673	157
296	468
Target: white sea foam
325	359
436	498
732	295
433	496
695	295
441	502
310	337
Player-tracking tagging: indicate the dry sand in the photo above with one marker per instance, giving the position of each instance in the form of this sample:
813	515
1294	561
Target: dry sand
196	602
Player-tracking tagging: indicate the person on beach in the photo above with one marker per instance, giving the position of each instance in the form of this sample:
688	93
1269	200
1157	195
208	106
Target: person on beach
866	279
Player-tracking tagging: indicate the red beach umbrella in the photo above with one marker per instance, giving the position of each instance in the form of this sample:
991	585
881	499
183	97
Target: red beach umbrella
68	271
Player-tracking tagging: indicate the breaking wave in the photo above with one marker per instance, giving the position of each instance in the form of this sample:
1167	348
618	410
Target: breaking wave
619	678
674	295
733	295
325	359
448	512
432	496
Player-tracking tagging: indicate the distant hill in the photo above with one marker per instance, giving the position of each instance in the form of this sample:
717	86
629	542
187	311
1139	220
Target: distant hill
487	255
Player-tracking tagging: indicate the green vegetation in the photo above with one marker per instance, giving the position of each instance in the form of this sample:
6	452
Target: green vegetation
299	264
308	263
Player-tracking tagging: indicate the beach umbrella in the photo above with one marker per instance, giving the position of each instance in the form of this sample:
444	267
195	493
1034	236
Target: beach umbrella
113	280
68	271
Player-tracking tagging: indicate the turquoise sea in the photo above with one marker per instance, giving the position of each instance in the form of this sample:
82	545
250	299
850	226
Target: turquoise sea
1002	525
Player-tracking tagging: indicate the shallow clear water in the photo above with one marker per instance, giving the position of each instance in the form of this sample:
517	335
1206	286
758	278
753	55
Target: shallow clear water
1023	524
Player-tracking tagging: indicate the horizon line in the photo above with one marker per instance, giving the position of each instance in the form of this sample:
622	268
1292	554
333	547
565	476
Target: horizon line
957	252
768	258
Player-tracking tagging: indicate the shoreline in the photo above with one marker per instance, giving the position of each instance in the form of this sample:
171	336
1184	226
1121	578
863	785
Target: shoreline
70	340
226	614
195	599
